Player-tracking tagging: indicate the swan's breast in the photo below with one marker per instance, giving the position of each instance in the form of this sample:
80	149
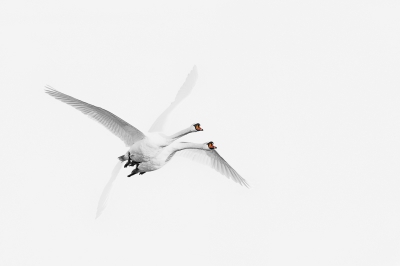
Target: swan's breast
144	150
151	165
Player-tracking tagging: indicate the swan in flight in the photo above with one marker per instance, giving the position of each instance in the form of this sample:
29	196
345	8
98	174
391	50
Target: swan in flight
142	147
205	153
166	154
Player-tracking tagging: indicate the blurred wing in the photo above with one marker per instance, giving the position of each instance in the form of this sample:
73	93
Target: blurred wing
183	92
215	161
107	189
127	133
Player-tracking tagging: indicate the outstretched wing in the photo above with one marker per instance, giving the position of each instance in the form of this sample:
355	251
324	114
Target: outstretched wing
126	132
214	160
107	189
183	92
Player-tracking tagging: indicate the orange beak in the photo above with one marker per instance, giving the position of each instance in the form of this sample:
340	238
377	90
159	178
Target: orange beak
211	146
198	128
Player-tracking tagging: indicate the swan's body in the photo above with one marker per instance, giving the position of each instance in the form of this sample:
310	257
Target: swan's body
147	148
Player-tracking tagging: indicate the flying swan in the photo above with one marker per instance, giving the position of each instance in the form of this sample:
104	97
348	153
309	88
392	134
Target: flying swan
142	147
204	153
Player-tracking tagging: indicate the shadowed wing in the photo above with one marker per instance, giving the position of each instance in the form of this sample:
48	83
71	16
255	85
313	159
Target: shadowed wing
107	189
183	92
126	132
214	160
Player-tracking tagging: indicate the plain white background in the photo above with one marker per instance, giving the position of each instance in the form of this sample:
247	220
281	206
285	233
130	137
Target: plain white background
301	98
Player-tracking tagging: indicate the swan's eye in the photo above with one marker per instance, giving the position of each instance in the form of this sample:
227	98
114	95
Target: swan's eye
211	145
197	127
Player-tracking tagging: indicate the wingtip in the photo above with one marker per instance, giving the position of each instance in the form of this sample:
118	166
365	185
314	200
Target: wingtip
195	72
99	211
243	182
49	89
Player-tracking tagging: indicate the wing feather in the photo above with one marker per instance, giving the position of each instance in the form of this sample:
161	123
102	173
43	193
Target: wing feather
215	161
102	204
126	132
183	92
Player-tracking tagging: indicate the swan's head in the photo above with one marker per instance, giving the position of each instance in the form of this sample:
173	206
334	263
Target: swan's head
196	127
210	145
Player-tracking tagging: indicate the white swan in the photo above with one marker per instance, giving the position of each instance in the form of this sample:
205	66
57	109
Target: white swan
166	154
205	153
142	147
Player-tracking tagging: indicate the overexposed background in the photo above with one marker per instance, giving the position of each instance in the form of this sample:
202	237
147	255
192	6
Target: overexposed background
301	97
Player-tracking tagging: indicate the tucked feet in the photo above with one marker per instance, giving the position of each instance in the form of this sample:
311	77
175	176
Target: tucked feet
134	172
142	173
133	163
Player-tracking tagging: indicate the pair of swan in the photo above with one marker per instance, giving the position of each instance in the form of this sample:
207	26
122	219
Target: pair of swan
152	151
143	148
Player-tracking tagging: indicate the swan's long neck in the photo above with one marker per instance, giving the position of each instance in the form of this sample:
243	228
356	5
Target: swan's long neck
179	134
170	151
185	145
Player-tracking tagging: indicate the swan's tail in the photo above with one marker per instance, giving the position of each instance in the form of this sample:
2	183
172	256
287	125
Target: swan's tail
124	157
107	189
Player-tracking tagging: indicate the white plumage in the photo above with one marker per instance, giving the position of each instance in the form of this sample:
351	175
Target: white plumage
214	160
142	147
155	149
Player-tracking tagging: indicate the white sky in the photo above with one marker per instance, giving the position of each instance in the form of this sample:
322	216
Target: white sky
301	97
